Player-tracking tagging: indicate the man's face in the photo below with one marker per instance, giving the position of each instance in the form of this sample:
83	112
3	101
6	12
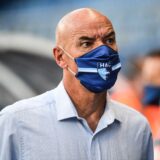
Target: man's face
87	35
151	71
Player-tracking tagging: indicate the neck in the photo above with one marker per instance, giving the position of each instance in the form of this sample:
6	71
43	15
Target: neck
89	105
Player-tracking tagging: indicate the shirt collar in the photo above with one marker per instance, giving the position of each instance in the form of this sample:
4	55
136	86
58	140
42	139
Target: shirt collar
66	109
112	107
64	106
109	116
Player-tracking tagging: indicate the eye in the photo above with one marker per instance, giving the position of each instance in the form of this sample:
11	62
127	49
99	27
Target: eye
86	44
110	41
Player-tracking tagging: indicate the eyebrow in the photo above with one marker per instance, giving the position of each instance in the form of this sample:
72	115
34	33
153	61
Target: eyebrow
86	38
112	33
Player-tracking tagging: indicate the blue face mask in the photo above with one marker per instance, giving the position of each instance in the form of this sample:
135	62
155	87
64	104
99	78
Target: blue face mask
97	69
151	95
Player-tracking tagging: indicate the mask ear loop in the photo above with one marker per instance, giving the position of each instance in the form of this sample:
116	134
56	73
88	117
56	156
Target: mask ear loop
71	71
66	53
69	57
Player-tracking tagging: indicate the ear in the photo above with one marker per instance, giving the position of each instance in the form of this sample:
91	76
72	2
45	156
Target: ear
58	56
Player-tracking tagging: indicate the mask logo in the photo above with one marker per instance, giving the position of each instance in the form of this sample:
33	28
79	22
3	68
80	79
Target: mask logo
104	69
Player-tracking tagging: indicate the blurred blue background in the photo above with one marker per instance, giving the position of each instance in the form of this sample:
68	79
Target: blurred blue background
137	23
27	37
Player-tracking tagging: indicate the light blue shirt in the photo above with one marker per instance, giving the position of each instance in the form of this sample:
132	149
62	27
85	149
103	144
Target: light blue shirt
47	127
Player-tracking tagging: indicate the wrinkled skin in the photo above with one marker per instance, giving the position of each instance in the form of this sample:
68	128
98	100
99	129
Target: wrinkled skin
78	33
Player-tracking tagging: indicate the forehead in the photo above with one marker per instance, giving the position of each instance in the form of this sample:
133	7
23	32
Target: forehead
151	68
96	28
151	64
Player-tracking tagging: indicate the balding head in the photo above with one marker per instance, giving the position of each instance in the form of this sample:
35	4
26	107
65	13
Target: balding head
82	30
74	20
77	33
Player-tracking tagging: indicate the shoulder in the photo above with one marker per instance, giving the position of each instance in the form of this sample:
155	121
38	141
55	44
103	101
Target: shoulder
30	104
135	128
128	115
33	113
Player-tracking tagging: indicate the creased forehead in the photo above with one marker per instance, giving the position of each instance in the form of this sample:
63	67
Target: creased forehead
77	18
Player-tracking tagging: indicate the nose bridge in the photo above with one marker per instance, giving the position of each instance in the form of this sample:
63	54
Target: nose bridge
99	42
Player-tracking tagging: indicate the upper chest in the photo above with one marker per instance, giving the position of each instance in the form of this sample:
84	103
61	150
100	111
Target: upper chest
46	138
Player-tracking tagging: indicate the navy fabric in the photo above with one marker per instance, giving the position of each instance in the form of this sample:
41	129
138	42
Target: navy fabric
100	50
151	95
101	59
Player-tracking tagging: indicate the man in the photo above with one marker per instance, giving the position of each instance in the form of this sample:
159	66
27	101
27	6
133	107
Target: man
151	91
151	95
76	121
